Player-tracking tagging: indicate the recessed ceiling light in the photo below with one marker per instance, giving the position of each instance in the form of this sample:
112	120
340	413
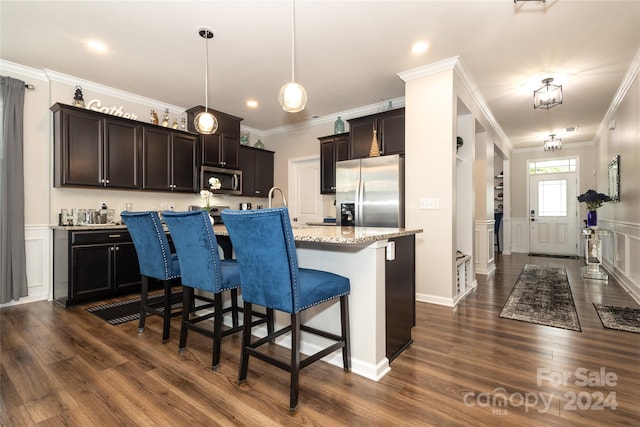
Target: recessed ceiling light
419	47
97	46
252	104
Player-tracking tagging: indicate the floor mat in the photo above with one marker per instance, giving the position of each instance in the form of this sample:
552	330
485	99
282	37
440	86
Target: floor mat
129	309
619	318
542	295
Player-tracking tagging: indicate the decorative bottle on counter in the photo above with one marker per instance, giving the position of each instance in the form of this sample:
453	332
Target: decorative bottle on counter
154	117
338	126
165	118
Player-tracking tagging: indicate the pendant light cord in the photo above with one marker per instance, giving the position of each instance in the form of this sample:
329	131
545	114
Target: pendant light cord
206	71
293	40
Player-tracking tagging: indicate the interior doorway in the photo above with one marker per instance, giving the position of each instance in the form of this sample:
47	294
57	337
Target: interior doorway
305	200
553	220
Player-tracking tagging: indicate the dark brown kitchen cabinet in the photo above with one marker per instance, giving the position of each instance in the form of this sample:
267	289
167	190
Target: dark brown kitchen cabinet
257	171
222	148
390	133
169	160
93	265
332	149
92	149
400	295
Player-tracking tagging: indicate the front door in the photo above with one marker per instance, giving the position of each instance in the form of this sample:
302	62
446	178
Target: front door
553	214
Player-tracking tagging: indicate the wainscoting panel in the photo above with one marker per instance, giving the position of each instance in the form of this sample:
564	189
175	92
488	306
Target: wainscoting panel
519	231
484	247
620	253
38	253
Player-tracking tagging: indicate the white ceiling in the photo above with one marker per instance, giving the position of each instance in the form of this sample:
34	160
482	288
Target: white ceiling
348	53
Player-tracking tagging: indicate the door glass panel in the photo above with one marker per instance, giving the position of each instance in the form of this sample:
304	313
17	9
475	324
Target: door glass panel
552	198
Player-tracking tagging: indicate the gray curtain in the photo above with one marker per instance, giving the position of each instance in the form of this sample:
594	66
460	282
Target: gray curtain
13	268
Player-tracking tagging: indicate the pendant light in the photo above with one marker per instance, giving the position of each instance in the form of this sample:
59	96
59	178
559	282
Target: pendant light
292	96
205	122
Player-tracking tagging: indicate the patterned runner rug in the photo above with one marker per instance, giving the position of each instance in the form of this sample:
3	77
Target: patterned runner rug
542	295
129	309
620	318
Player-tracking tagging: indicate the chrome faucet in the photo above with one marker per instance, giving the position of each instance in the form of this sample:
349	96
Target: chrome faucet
284	199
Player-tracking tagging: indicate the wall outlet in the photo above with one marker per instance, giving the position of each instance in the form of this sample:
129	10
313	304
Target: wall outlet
429	203
171	206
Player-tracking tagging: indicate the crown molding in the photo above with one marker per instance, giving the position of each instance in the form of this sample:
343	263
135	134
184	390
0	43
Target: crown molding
55	76
330	118
627	81
455	63
11	67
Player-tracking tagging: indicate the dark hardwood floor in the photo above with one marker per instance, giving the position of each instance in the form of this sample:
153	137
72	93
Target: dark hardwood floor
467	366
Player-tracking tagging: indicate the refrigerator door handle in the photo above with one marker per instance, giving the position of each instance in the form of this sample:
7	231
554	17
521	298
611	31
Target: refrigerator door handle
359	204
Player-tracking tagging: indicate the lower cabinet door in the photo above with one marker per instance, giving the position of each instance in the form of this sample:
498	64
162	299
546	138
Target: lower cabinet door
92	272
126	268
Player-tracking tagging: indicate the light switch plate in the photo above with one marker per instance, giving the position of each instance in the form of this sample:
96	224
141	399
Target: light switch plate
429	203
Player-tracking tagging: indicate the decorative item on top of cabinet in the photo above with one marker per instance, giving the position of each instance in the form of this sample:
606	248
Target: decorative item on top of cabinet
338	126
257	171
153	119
333	148
78	100
221	148
390	133
259	145
93	149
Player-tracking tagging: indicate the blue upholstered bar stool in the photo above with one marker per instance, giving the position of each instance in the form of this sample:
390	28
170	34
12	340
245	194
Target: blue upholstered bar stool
156	261
270	277
202	268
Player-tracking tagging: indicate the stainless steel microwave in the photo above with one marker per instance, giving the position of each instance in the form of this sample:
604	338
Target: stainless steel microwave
230	180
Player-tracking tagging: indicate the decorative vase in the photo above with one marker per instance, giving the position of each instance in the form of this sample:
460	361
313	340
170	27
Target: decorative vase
259	145
374	151
338	126
592	218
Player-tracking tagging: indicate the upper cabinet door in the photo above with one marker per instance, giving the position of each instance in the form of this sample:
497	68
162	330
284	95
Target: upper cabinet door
391	132
79	141
122	157
156	159
183	168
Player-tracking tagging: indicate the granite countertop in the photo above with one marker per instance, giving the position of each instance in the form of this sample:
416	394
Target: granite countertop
339	235
301	233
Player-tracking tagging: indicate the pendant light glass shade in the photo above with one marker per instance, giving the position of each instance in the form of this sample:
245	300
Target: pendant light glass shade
205	122
292	96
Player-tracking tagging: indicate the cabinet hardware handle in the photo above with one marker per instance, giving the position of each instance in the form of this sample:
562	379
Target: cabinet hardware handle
114	236
107	181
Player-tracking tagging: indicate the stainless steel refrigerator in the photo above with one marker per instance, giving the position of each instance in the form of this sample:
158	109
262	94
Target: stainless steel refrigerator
370	192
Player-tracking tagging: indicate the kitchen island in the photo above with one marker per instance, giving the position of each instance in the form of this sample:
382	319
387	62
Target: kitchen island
380	263
381	302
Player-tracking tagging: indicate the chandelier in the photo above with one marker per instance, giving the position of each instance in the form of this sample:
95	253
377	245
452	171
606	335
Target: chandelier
549	95
553	143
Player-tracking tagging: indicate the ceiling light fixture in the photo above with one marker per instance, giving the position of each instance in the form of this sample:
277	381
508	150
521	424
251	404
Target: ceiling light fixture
205	122
292	96
549	95
553	144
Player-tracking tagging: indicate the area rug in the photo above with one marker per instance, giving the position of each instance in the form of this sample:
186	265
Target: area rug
542	295
619	318
129	309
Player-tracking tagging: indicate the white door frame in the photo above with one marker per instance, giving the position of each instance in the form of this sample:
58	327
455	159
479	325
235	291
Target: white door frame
577	227
294	203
